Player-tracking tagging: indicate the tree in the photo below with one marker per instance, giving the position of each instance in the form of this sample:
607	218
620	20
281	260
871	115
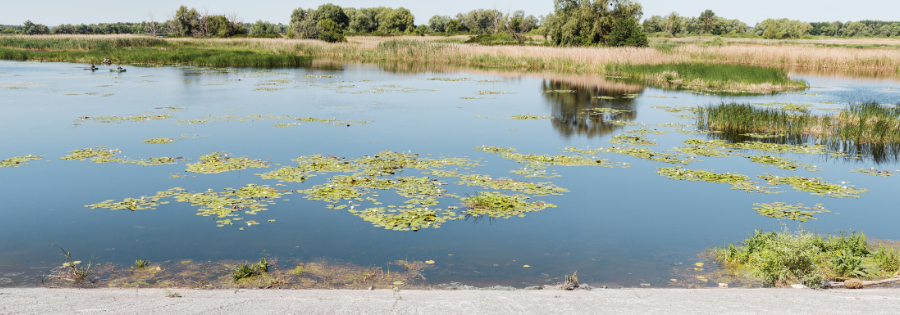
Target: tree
332	12
708	18
330	31
438	24
626	32
589	22
396	21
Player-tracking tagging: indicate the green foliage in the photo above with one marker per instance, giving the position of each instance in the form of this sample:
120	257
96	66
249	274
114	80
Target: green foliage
626	32
888	259
19	160
587	23
172	56
330	31
141	263
782	28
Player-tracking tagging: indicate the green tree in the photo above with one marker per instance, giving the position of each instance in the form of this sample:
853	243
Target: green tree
396	21
330	31
626	32
708	19
332	12
589	22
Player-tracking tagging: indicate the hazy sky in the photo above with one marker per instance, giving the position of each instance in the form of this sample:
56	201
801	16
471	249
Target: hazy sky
54	12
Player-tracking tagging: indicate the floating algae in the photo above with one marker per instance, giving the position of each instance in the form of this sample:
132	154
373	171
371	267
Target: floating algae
737	181
160	140
19	160
217	162
815	186
412	219
490	93
646	154
497	205
678	109
782	210
872	171
764	136
783	163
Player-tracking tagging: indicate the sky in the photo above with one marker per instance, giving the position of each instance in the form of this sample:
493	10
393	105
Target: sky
55	12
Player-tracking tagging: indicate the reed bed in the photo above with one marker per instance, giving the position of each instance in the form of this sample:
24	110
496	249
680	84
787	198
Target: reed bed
157	56
867	123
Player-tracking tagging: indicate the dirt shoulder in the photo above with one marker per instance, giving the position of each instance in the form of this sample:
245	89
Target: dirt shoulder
598	301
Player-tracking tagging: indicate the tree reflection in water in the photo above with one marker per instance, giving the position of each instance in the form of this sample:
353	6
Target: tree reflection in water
571	110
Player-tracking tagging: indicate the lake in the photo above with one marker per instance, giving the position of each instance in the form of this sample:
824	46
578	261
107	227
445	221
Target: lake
620	225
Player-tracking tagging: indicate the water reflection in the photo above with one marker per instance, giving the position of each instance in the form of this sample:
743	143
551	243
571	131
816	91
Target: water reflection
880	153
571	102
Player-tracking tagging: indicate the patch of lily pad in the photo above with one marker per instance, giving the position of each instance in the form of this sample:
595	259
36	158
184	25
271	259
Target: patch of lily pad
17	161
815	186
781	210
498	205
737	181
160	140
783	163
873	172
220	162
120	119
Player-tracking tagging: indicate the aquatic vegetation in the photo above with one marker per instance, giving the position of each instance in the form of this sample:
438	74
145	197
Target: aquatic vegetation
630	140
217	162
268	89
71	271
248	200
783	163
246	271
490	93
497	205
814	149
491	149
872	171
867	123
160	140
646	154
678	109
449	79
486	181
132	204
286	125
19	160
763	136
781	210
782	258
308	167
98	154
559	91
102	155
788	106
117	119
408	219
737	181
530	117
141	263
815	186
710	148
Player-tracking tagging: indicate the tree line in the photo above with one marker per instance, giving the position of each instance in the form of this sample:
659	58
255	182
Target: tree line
710	24
572	23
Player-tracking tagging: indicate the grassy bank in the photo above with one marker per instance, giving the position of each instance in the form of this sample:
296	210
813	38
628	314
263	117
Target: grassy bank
672	68
782	258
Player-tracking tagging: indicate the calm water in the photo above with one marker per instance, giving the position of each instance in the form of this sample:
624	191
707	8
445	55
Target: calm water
619	226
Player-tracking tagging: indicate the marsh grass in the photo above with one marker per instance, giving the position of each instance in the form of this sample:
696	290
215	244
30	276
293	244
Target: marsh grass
867	123
154	56
782	258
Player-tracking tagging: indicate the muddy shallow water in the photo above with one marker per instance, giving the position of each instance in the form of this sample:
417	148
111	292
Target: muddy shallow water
616	226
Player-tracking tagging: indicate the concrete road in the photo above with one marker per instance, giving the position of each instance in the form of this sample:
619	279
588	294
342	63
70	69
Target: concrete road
598	301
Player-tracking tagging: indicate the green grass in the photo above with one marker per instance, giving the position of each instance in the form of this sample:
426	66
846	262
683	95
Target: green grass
782	258
713	74
867	123
155	56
